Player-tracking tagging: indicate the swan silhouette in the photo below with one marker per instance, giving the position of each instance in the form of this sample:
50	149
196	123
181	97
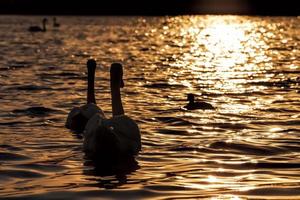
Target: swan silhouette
117	137
79	116
192	105
55	24
37	28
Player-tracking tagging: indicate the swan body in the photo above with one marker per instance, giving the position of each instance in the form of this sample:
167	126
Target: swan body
37	28
79	116
192	105
118	136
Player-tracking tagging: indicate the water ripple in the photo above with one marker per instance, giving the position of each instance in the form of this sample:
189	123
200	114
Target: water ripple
247	67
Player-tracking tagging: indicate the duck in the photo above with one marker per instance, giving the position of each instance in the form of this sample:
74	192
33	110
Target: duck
192	105
55	24
37	28
79	116
116	137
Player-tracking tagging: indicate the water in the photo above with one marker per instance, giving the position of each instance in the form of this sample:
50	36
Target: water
247	67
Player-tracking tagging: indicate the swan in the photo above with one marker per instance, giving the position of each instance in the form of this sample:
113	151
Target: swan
37	28
192	105
115	138
79	116
55	24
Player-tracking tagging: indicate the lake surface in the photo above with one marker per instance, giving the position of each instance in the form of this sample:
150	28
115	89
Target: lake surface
248	68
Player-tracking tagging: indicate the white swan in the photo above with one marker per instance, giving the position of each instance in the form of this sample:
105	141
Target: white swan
37	28
116	137
79	116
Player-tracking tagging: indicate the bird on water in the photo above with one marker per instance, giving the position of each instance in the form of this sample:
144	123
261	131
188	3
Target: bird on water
38	28
192	105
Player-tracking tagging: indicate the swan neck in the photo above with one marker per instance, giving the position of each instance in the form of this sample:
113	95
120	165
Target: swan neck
117	107
91	89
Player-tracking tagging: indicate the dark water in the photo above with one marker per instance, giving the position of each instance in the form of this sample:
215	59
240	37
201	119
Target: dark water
247	67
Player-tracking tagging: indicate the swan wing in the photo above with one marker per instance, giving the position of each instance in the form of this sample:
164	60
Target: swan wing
90	109
128	132
90	132
79	116
72	114
93	124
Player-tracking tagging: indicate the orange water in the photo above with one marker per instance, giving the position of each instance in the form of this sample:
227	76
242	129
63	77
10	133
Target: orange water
247	67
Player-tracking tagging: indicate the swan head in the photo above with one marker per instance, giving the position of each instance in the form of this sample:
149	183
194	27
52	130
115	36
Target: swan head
91	64
116	74
191	97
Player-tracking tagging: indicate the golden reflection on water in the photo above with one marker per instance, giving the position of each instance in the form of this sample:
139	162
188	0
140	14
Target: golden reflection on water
226	197
216	57
225	47
227	54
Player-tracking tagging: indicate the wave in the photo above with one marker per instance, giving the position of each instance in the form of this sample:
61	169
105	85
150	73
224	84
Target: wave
246	148
38	110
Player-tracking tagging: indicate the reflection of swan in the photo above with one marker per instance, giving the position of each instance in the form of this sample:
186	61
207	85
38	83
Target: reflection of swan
115	173
116	137
55	24
79	116
192	105
119	169
37	28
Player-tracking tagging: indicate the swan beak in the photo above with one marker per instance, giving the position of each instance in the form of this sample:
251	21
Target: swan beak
122	83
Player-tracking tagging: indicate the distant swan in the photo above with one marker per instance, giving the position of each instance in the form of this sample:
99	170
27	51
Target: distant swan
79	116
37	28
55	24
117	137
192	105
